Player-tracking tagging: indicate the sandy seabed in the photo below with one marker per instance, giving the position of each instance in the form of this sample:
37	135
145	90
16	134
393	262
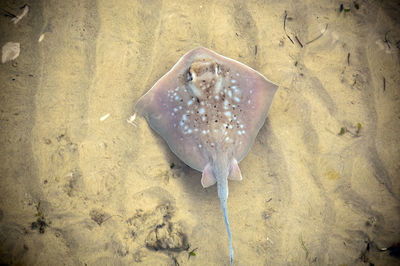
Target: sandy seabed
80	185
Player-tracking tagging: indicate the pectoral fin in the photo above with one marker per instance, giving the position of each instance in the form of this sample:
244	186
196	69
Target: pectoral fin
208	179
235	173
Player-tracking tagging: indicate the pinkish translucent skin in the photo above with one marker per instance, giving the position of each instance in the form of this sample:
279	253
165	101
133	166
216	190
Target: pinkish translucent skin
256	96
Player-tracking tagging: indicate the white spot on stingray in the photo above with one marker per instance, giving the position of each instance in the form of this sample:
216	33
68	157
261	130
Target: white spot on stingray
251	91
196	129
239	132
230	94
203	118
212	144
184	117
237	74
228	114
200	146
233	81
230	126
177	89
175	109
227	139
226	102
181	123
189	103
248	101
204	132
236	99
186	127
201	111
180	107
172	113
189	131
234	87
177	97
241	126
216	97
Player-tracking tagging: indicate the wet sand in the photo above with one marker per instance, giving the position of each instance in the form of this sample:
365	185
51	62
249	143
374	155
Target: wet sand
80	188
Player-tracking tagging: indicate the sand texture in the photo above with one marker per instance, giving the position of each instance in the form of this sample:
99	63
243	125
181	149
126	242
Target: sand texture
80	184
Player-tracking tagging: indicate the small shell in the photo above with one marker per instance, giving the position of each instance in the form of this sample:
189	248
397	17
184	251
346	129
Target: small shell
10	51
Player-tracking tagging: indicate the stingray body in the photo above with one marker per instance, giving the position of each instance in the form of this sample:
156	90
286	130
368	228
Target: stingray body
209	109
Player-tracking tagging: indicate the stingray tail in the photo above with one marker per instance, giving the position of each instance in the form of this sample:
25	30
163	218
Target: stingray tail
223	196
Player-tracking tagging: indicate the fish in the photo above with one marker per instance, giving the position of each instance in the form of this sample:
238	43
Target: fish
209	109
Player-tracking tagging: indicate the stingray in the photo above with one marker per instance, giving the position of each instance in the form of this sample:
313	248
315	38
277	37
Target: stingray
209	109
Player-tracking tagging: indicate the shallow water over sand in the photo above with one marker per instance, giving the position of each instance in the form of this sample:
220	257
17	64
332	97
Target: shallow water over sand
80	184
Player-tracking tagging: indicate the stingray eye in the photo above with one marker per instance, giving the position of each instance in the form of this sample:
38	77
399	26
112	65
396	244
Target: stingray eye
189	76
217	69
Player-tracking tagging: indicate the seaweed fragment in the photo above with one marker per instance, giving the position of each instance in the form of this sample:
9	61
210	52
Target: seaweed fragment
319	36
40	222
355	133
297	39
192	253
342	8
359	126
342	131
304	246
384	84
284	27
